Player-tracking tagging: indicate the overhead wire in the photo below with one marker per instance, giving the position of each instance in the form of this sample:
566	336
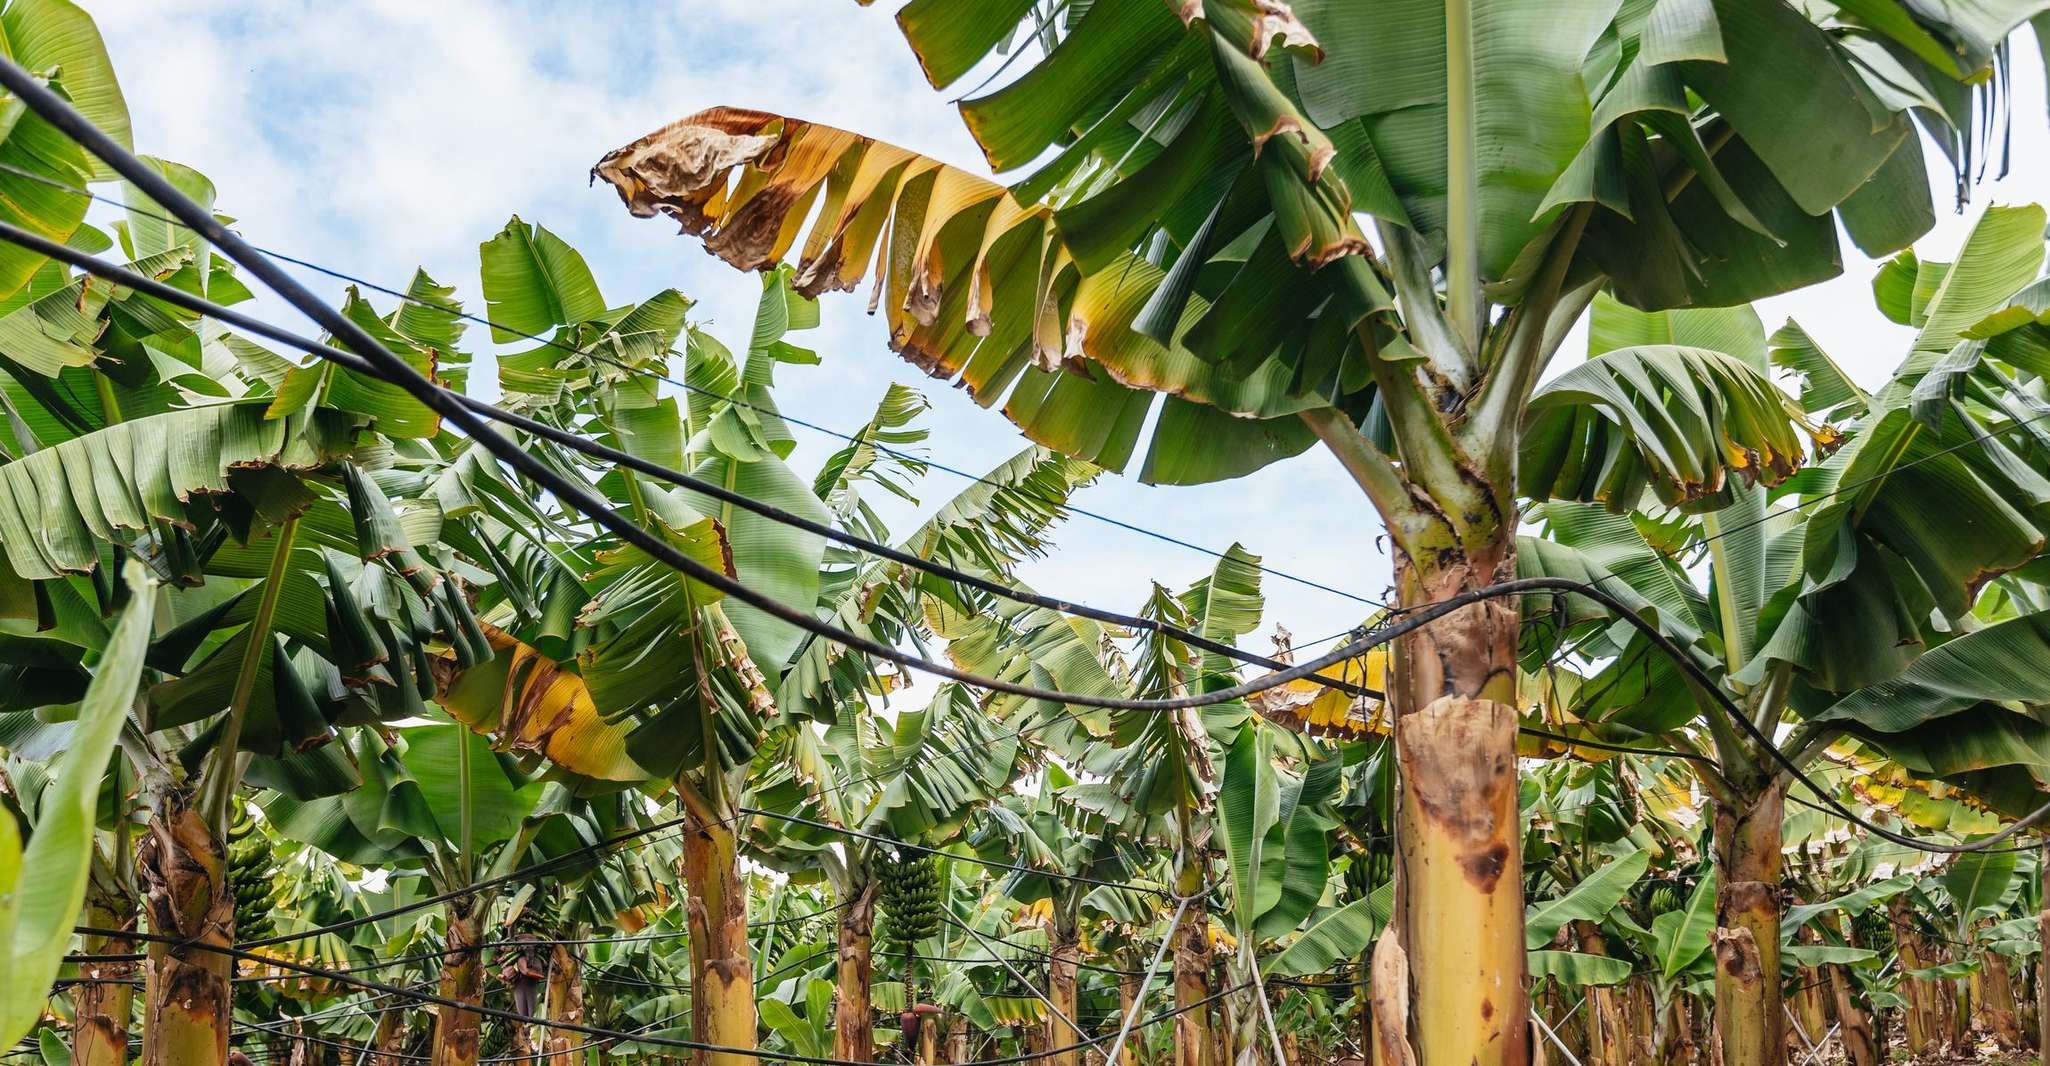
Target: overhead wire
197	305
572	492
503	329
578	442
483	1010
521	874
579	495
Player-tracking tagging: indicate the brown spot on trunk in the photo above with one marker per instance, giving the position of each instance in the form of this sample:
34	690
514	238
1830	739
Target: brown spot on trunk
1462	771
1736	953
1743	897
1484	868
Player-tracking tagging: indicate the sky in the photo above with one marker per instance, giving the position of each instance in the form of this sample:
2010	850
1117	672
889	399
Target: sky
380	135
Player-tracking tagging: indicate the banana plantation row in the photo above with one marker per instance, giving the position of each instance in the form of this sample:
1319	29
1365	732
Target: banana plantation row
330	738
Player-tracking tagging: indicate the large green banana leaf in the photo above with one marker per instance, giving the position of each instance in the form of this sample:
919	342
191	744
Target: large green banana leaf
1855	902
43	885
1248	808
1976	881
533	282
1589	901
1681	938
1953	710
1339	933
59	503
1190	226
1578	969
57	35
53	39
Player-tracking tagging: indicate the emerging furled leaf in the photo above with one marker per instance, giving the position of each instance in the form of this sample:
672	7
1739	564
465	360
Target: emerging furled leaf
1661	417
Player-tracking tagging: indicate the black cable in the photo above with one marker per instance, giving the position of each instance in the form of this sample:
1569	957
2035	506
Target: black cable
1079	879
61	115
613	1034
520	874
177	297
1023	949
550	342
573	492
1625	749
1707	685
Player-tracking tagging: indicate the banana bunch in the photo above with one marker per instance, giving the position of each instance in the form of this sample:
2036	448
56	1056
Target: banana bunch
1662	899
908	892
251	876
1380	865
536	920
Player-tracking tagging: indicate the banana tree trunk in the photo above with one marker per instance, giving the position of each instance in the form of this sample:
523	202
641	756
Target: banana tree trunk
1192	1042
462	979
100	1032
957	1040
565	1004
388	1043
854	1037
1920	1013
1807	998
1996	997
1452	961
1192	968
1748	1011
1854	1021
181	864
1128	992
1959	1002
1608	1039
2043	963
1061	992
722	1002
1854	1026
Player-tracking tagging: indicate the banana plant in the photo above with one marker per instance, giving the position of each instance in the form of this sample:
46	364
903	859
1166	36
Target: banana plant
261	493
1859	538
574	678
1049	832
1189	240
35	925
917	779
434	800
612	667
1228	776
